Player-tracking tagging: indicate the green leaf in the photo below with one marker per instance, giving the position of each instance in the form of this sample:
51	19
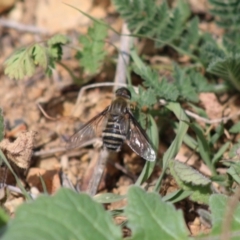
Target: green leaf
40	55
226	13
199	82
58	39
152	132
183	82
235	128
219	132
4	218
1	125
161	88
23	62
191	37
217	156
203	146
20	64
66	215
227	68
234	150
219	204
188	174
144	98
93	53
55	47
151	218
176	144
176	196
108	197
234	170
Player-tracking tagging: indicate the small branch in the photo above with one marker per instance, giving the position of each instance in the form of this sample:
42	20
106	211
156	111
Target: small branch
205	120
211	121
98	172
49	151
123	56
45	114
22	27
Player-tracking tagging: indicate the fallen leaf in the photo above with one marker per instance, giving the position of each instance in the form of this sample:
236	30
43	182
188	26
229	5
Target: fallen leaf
50	178
20	151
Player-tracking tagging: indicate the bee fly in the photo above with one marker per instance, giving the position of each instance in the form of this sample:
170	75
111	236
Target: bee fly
116	125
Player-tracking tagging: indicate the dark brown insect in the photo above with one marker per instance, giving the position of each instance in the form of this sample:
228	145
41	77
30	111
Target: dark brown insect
116	125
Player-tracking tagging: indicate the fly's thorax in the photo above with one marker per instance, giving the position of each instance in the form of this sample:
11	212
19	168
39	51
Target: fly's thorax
119	106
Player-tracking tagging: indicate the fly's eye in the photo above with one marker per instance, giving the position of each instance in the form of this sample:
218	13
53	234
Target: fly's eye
123	92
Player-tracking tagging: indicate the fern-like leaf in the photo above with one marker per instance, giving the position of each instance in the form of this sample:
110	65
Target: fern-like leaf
20	64
190	38
184	85
227	68
24	61
92	54
226	13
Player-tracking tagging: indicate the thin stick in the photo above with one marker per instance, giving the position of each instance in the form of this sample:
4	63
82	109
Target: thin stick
205	120
22	27
98	172
83	89
209	121
123	57
45	114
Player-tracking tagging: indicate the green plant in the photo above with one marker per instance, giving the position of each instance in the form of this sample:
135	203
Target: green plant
23	62
149	215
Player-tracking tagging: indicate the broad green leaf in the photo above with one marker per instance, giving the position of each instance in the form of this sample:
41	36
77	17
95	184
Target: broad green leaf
200	193
66	215
222	180
188	174
1	125
219	206
205	217
108	197
151	218
4	218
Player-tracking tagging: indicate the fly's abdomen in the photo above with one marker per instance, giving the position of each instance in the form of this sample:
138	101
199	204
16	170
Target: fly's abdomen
112	137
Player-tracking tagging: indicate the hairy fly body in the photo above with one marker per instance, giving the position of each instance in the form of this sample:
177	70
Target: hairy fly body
116	125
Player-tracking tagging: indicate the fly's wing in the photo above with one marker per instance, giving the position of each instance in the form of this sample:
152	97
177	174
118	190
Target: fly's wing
138	140
88	131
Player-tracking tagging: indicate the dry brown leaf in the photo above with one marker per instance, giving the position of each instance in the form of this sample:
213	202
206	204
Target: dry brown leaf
19	151
50	178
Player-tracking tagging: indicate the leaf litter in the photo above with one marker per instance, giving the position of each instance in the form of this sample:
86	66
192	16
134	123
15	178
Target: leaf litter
18	100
